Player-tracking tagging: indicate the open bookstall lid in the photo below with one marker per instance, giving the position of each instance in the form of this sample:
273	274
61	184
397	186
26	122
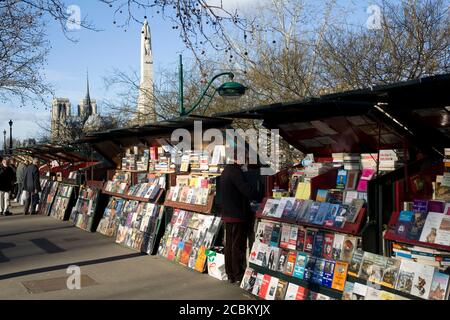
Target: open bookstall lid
51	152
383	117
112	143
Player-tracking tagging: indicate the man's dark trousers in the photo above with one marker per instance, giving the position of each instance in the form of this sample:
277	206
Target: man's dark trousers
235	249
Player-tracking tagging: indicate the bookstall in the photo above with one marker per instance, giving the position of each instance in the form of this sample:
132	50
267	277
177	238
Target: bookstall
365	151
139	212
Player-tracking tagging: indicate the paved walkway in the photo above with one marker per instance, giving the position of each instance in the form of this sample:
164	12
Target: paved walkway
34	248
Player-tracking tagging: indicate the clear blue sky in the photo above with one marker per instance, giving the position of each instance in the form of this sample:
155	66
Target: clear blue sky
100	52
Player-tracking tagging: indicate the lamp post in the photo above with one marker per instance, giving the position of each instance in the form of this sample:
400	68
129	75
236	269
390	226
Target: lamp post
227	90
10	136
4	142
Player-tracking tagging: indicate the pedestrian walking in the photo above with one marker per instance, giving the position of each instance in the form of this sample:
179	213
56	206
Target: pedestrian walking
32	186
20	175
7	180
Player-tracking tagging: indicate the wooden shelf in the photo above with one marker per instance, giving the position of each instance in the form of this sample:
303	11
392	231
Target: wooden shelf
135	171
206	209
392	236
349	228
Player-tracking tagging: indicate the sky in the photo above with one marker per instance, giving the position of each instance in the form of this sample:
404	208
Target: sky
100	53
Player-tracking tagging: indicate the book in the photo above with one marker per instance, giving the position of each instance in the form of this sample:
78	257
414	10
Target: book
272	290
245	283
327	252
318	244
423	277
311	215
418	222
264	289
328	272
303	190
309	268
288	208
318	271
304	209
319	219
390	272
340	275
309	240
331	215
404	223
355	263
348	248
257	285
290	264
372	267
281	206
359	291
420	206
274	256
436	206
300	264
443	233
282	261
405	276
285	233
301	235
372	294
349	196
431	226
293	213
352	180
439	286
295	292
276	235
321	195
341	179
354	210
293	233
281	289
270	207
338	243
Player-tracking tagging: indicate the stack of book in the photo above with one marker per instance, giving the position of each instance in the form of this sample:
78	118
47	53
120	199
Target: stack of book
352	161
338	159
119	183
436	258
148	190
316	168
391	160
369	160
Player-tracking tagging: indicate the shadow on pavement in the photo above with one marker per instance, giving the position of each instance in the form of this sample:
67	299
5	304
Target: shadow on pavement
5	245
32	231
65	266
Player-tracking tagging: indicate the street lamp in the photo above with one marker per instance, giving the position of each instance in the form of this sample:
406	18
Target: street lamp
4	142
227	90
10	136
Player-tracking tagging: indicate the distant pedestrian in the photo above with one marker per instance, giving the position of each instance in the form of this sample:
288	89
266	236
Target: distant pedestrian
32	186
7	180
20	175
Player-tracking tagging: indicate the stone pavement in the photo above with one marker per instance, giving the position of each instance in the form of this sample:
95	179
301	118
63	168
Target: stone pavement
35	252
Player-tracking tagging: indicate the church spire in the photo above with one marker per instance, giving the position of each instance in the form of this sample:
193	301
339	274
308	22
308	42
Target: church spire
88	103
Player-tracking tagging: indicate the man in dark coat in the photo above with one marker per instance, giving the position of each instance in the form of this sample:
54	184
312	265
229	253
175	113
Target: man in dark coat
20	174
31	185
7	180
235	196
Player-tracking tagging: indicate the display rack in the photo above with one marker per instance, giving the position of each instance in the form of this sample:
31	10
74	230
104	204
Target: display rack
207	209
48	197
84	213
63	203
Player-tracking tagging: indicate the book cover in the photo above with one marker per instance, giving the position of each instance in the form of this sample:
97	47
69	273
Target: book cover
304	209
335	196
352	180
274	256
328	272
293	236
372	267
390	272
362	185
264	289
405	276
322	213
280	208
331	215
436	206
355	263
254	253
259	235
372	294
311	214
301	235
295	292
318	244
289	208
349	196
327	252
258	283
431	226
281	290
348	290
285	233
418	222
276	235
282	261
359	291
341	179
272	290
439	286
270	207
423	277
354	210
338	243
348	248
309	240
321	195
404	223
303	190
443	233
300	263
339	220
246	279
340	275
290	264
296	207
420	206
318	271
309	268
268	228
